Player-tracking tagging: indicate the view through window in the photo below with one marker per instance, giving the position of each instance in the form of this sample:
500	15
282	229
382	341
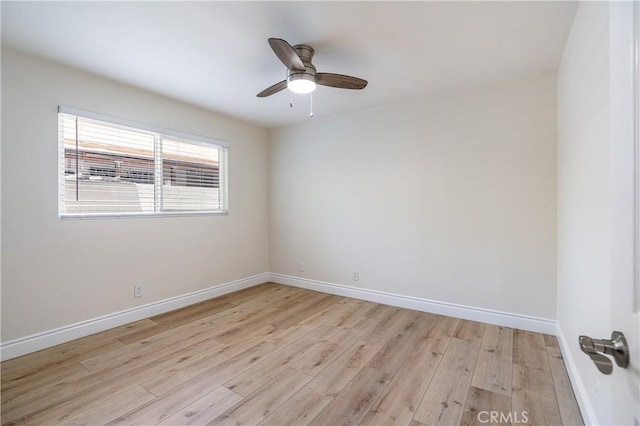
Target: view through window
108	168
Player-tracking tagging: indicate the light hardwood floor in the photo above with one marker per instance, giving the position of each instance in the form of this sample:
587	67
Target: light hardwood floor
276	355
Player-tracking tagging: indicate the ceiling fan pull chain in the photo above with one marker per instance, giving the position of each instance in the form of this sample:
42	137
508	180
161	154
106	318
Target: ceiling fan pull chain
310	104
290	92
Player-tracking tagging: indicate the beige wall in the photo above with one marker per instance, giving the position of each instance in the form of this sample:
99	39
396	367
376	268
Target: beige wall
450	198
584	197
59	272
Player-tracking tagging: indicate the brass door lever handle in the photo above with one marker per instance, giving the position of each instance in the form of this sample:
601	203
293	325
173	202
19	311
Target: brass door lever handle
616	347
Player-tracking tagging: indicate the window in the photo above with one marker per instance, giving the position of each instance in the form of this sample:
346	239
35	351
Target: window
109	167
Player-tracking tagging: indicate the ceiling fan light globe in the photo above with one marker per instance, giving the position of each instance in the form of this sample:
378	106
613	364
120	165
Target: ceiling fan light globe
301	86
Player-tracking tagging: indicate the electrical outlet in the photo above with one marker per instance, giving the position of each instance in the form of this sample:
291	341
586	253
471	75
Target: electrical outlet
300	267
355	275
137	290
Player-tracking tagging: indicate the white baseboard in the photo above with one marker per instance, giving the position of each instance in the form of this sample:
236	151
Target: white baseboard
586	408
505	319
36	342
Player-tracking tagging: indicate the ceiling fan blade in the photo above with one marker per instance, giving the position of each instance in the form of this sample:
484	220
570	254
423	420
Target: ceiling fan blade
340	81
286	54
273	89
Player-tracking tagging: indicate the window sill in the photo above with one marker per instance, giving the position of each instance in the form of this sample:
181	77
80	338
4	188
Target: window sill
72	216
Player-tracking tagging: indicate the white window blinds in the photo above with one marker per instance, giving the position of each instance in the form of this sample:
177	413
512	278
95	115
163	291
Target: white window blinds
111	167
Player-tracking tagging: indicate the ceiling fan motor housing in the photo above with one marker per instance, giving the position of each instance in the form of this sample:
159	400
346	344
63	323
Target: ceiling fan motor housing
305	53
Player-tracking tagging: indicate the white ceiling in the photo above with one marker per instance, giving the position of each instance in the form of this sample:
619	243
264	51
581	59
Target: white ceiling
215	54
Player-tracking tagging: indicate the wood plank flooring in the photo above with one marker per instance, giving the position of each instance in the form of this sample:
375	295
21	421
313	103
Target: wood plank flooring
278	355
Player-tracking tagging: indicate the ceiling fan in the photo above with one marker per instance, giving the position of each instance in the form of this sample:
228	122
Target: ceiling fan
302	76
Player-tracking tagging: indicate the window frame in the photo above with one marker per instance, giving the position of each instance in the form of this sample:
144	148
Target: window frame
159	133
